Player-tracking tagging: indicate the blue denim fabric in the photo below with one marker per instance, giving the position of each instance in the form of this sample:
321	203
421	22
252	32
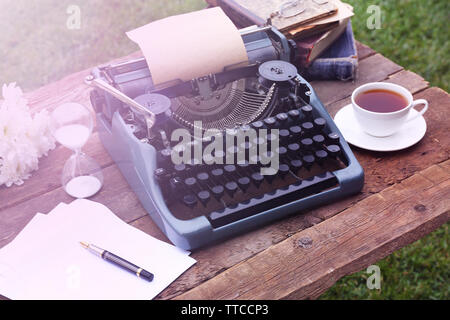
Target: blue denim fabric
338	62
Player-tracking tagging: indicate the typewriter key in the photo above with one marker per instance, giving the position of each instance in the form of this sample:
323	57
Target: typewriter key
202	177
190	200
230	171
307	111
320	123
244	183
308	161
245	146
321	156
190	183
243	166
306	144
294	115
257	179
334	150
217	175
204	197
165	158
295	131
258	141
218	192
281	151
176	185
257	125
296	165
293	148
271	137
333	138
282	118
284	134
308	128
283	170
231	188
270	122
180	170
161	174
318	140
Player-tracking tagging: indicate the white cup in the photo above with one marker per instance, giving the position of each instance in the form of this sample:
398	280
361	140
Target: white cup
383	124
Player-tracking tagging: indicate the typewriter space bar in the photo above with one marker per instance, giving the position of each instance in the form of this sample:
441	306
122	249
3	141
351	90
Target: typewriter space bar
273	199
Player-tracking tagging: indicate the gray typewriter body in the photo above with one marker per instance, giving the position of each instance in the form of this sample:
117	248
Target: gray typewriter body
137	155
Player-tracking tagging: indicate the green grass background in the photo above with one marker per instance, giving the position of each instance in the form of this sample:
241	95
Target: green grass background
36	48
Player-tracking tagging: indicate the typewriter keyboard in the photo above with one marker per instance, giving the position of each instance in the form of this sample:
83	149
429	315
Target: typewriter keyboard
308	153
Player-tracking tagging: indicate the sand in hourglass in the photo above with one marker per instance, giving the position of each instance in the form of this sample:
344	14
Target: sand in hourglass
74	136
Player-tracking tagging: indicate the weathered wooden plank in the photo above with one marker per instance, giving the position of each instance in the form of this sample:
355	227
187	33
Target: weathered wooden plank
371	69
230	252
116	195
439	101
306	264
364	51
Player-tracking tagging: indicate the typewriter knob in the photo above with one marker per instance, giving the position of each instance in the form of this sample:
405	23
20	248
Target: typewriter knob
276	71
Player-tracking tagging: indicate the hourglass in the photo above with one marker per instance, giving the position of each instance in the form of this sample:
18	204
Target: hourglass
71	125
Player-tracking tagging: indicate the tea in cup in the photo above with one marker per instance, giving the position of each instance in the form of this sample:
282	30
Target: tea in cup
383	108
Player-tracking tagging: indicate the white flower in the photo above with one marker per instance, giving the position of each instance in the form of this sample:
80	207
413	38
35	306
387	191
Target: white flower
23	139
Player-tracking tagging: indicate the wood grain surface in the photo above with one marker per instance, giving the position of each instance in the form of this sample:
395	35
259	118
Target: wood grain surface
388	214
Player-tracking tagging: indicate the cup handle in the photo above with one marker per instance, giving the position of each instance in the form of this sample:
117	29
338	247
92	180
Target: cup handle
421	112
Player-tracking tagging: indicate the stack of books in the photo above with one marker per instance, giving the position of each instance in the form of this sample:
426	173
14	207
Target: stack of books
321	28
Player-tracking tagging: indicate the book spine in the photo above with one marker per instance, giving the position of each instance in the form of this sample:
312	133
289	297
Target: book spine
240	16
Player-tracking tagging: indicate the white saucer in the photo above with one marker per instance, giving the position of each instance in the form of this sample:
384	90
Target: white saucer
408	135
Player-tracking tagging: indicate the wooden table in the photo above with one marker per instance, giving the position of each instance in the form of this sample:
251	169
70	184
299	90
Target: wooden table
406	195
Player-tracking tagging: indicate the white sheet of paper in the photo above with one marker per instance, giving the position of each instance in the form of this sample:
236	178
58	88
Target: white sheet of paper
23	238
190	45
63	269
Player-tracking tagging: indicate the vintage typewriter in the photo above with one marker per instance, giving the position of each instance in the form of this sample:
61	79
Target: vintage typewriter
194	203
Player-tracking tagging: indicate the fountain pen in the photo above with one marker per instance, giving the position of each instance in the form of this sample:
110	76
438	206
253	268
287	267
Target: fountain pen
118	261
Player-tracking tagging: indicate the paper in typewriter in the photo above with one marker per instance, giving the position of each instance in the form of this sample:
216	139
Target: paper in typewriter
190	45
